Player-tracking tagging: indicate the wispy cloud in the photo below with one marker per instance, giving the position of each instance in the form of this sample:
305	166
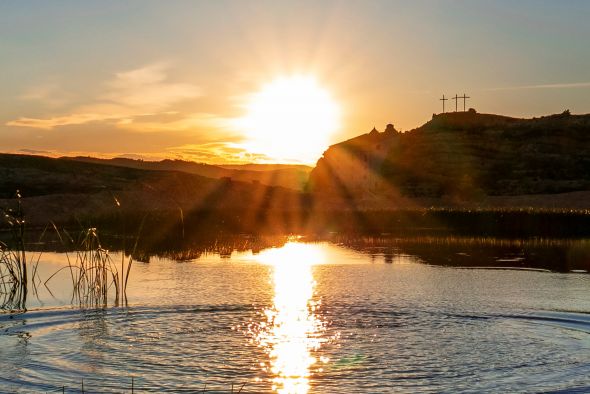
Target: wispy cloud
129	95
35	151
218	152
146	88
50	94
66	120
150	156
573	85
172	121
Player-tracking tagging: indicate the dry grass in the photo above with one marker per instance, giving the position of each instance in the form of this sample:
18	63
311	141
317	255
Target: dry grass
95	276
13	262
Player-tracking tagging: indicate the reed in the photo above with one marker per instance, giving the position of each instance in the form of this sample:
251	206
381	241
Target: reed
13	289
13	261
94	274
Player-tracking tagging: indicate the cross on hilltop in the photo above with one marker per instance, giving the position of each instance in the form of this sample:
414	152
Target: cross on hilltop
464	100
443	99
456	98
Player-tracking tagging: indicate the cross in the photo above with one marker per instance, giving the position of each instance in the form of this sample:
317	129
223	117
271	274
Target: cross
443	100
464	97
456	98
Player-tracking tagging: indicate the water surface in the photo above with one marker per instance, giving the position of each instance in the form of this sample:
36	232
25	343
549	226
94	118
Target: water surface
307	318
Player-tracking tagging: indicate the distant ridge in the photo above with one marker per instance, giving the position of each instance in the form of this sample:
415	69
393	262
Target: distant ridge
284	175
461	156
265	167
67	191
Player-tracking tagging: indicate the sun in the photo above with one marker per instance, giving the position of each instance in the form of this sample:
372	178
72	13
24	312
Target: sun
290	119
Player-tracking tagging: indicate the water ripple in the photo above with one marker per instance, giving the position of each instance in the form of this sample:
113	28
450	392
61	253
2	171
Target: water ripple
353	327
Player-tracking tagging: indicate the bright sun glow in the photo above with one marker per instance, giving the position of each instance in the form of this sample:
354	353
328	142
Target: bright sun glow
290	119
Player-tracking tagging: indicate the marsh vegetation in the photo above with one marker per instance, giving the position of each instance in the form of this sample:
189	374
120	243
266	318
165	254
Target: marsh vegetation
93	273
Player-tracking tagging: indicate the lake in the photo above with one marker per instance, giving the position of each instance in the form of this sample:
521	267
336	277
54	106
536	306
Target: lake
315	317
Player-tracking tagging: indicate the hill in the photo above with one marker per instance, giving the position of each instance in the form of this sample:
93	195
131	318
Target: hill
461	156
289	176
175	205
71	191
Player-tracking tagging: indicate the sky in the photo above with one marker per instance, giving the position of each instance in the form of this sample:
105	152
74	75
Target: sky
169	79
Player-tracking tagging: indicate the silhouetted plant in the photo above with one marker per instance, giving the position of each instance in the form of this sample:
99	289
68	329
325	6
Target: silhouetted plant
13	260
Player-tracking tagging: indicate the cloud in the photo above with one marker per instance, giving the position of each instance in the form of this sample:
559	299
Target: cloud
67	120
218	152
140	92
146	88
35	151
179	122
49	94
149	156
573	85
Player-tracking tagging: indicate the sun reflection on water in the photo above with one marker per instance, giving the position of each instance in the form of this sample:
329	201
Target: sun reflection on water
292	330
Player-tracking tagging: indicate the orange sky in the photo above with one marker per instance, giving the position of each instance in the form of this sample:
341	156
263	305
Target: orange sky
154	80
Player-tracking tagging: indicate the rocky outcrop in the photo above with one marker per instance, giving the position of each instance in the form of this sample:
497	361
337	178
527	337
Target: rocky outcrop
462	155
354	166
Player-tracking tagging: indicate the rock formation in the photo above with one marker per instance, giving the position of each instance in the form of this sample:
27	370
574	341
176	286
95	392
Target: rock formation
463	154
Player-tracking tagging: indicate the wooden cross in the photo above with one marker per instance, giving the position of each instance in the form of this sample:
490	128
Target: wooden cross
464	97
456	98
443	99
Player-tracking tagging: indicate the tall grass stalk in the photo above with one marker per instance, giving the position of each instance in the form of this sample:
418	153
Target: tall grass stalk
93	272
96	271
13	261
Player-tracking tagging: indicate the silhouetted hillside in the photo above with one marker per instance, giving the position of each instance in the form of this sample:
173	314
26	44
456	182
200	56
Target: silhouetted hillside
64	190
174	204
290	176
462	155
